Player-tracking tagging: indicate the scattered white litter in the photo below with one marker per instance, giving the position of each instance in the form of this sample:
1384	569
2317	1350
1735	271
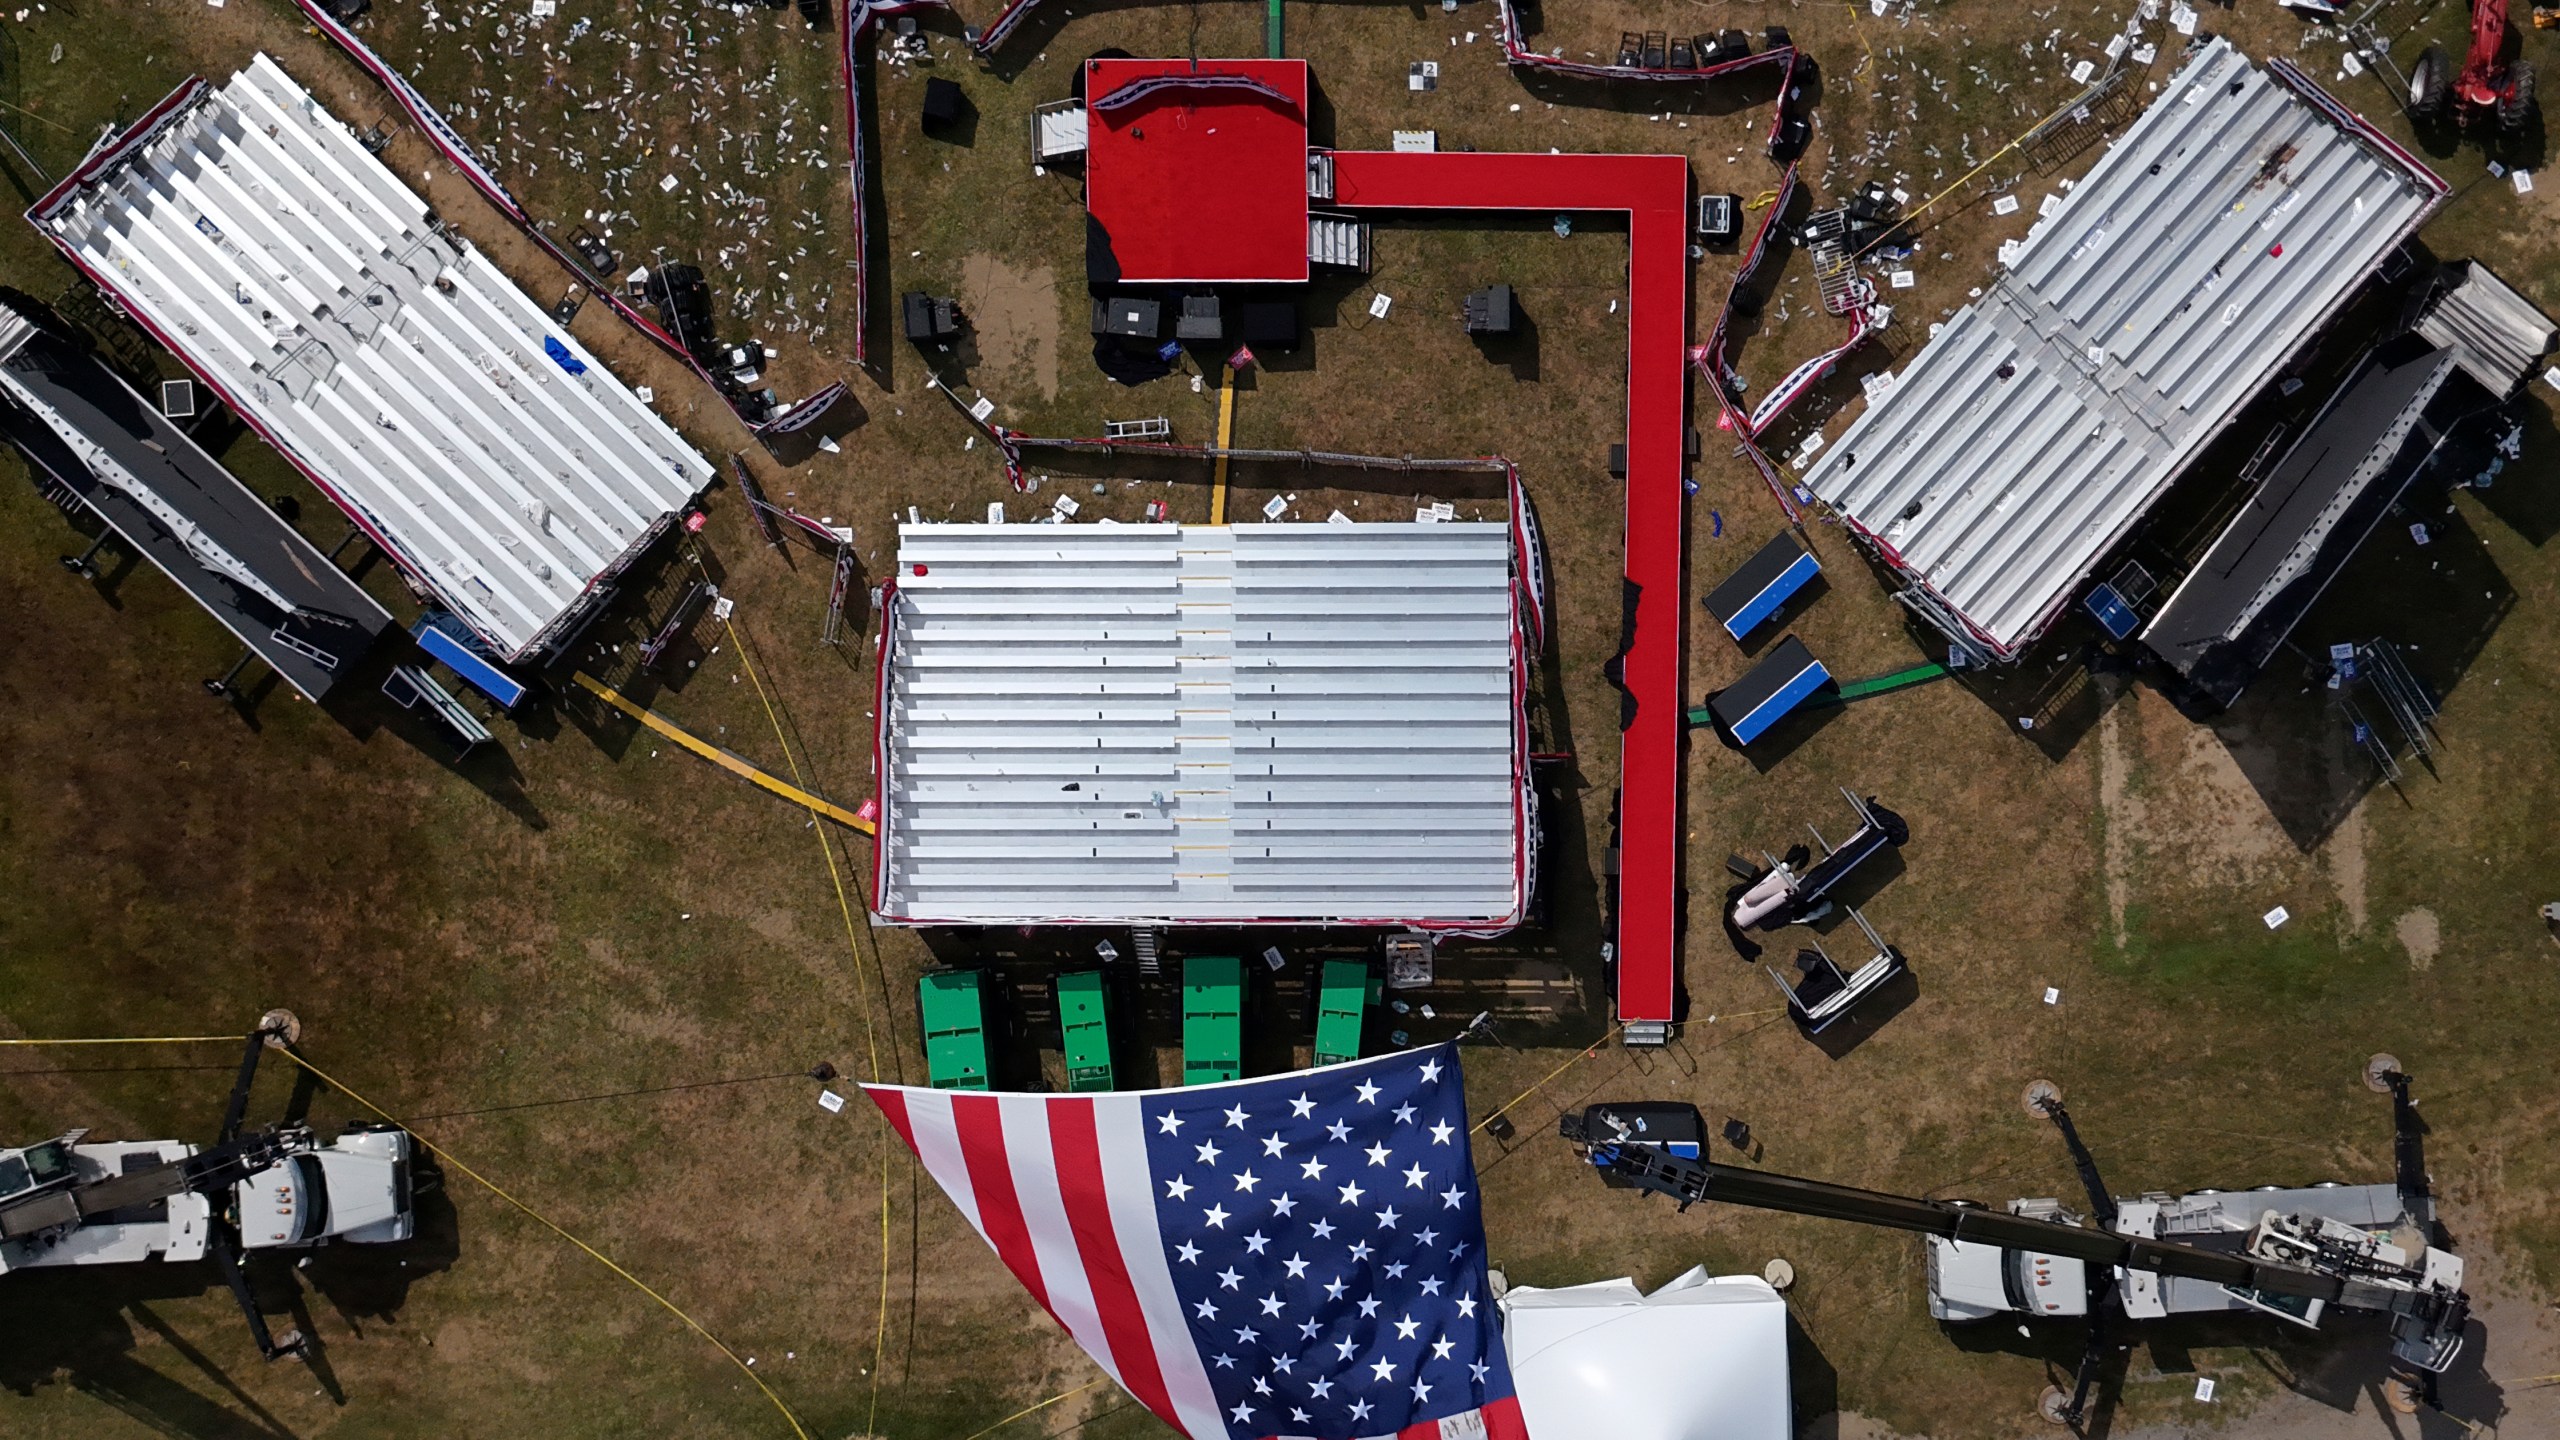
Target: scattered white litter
667	183
2005	205
2204	1388
1273	958
2418	532
645	393
982	409
2048	205
2183	20
995	512
1443	510
2551	377
1065	505
2277	917
1378	304
2010	250
2522	180
1274	508
830	1101
2081	72
1904	279
2351	64
2052	996
1338	518
1422	516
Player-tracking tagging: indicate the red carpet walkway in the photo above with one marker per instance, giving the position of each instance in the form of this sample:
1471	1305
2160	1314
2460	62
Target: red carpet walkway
1653	192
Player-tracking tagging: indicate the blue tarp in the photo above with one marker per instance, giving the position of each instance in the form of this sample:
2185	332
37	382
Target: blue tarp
552	347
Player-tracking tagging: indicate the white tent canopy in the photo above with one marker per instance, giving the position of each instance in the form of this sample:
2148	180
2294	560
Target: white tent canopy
1702	1358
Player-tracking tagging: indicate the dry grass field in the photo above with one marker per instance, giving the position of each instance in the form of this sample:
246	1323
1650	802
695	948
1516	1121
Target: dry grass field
596	969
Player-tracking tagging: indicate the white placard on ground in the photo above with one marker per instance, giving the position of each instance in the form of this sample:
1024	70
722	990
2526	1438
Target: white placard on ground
830	1101
2277	917
1378	304
2005	205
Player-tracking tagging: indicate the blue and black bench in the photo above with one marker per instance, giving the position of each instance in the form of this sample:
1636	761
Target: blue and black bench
1766	581
1787	677
447	639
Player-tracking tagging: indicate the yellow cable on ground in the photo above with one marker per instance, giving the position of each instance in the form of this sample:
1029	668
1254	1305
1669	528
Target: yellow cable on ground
137	1040
1035	1409
607	1261
1226	432
732	763
1572	1060
870	1041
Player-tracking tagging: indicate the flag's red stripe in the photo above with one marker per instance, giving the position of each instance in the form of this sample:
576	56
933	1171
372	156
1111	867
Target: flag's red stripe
1502	1419
893	1105
1115	1298
980	1125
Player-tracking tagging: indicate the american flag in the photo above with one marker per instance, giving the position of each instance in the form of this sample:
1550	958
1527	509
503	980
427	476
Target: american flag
1300	1255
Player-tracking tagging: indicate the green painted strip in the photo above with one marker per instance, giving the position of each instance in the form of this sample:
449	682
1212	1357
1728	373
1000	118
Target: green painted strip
1849	690
1271	30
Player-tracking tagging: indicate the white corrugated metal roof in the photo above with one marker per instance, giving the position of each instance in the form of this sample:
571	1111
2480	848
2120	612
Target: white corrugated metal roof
1191	723
296	272
2212	239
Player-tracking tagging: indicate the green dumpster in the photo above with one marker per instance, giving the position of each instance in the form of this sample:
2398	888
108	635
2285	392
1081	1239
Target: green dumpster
1086	1024
1212	1019
955	1030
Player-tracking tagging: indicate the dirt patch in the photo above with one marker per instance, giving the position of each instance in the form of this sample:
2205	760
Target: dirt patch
2420	935
2189	811
1013	313
2346	870
2114	776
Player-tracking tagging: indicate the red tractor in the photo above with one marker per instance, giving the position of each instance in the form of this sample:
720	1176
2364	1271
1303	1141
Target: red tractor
2490	87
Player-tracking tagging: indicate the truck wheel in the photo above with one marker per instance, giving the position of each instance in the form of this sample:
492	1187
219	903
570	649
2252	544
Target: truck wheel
2430	83
2516	108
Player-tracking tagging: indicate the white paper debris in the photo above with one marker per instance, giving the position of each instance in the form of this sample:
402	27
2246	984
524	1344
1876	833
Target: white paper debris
2204	1388
2522	180
2005	205
2418	532
2052	996
995	512
1065	505
1903	279
2183	20
2277	917
2046	206
667	184
1378	304
645	393
1337	518
2010	250
1274	508
2081	72
830	1101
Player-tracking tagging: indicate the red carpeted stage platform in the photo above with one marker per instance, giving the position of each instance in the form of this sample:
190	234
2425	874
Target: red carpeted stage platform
1653	192
1197	173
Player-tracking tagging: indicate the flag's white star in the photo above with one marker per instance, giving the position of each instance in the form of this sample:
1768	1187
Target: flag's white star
1247	1335
1427	1236
1387	1218
1361	1251
1368	1093
1209	1152
1307	1329
1323	1230
1377	1155
1235	1118
1272	1145
1359	1409
1246	1180
1369	1307
1189	1252
1313	1168
1406	1327
1254	1244
1339	1129
1242	1412
1333	1288
1440	1348
1404	1114
1477	1370
1431	1286
1396	1270
1168	1124
1207	1310
1467	1306
1421	1391
1343	1347
1430	1070
1302	1107
1177	1188
1296	1265
1216	1217
1270	1303
1384	1369
1450	1197
1225	1362
1441	1132
1414	1176
1283	1205
1261	1385
1299	1416
1351	1194
1228	1278
1320	1388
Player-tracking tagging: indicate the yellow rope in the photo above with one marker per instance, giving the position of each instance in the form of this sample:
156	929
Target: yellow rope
1570	1061
136	1040
607	1261
870	1040
1034	1409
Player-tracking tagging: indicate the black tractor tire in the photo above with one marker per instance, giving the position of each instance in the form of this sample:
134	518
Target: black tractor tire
2430	83
2517	109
